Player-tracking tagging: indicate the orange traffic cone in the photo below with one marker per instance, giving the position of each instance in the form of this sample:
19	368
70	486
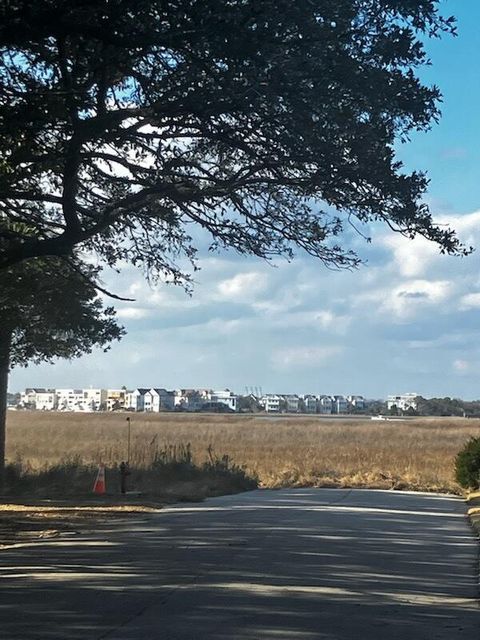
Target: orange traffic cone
99	486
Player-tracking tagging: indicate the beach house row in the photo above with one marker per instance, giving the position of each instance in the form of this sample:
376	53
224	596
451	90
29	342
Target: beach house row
141	399
323	404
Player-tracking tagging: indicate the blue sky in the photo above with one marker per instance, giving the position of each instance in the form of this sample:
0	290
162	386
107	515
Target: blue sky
408	321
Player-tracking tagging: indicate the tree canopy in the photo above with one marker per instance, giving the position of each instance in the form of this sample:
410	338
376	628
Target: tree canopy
270	125
49	309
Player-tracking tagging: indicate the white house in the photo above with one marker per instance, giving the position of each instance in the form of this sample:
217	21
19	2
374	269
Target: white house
155	400
324	405
225	397
94	399
71	400
403	402
135	400
339	404
39	399
270	402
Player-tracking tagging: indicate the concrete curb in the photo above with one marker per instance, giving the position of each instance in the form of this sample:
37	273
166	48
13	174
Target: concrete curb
473	505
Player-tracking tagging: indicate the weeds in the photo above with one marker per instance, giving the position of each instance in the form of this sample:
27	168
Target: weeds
294	451
172	473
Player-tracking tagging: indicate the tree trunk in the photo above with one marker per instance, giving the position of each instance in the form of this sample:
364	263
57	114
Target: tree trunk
5	344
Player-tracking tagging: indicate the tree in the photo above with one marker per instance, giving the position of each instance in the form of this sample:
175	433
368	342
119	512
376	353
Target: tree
248	404
269	125
48	309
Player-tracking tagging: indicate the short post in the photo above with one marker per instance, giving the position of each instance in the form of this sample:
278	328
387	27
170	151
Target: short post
124	473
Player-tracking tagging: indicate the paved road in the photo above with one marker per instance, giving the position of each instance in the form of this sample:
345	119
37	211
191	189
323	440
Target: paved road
292	564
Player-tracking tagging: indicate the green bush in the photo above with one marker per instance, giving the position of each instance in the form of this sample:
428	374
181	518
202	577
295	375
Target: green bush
467	465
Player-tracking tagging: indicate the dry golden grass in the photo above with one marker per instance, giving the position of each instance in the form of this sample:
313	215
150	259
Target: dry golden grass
287	451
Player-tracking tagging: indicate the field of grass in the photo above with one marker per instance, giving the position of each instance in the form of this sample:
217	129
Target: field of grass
289	451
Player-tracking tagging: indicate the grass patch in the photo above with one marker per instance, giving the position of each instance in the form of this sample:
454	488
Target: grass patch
291	451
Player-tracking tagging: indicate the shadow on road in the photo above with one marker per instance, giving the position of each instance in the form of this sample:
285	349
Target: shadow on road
292	564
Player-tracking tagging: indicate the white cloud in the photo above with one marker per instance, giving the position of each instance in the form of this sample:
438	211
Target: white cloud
320	319
292	357
410	297
461	366
407	299
470	301
133	313
243	287
411	257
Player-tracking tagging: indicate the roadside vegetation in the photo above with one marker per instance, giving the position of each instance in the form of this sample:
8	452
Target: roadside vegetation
170	474
58	452
467	465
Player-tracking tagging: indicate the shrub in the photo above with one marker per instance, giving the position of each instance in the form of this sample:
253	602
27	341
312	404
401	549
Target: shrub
467	465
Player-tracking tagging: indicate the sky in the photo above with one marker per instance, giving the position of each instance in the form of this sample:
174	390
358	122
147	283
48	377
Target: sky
406	321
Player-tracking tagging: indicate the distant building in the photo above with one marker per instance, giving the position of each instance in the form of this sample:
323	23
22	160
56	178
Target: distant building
158	399
403	402
270	402
310	403
357	402
115	399
135	400
225	397
71	400
39	399
93	399
291	403
339	404
324	405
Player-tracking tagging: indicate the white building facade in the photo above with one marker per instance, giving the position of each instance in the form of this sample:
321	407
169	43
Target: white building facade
225	397
271	403
403	402
39	399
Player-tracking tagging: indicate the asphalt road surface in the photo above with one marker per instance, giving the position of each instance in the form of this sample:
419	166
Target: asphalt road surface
291	564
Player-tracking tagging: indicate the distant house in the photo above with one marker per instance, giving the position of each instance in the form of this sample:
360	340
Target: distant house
94	399
194	399
39	399
291	402
270	402
310	403
357	402
158	399
71	400
225	397
115	399
166	399
135	400
324	405
403	402
339	404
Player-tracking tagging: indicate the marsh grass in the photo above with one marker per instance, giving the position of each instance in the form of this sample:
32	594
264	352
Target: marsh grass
167	473
281	452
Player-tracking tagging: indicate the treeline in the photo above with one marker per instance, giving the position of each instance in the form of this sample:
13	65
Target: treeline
446	407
